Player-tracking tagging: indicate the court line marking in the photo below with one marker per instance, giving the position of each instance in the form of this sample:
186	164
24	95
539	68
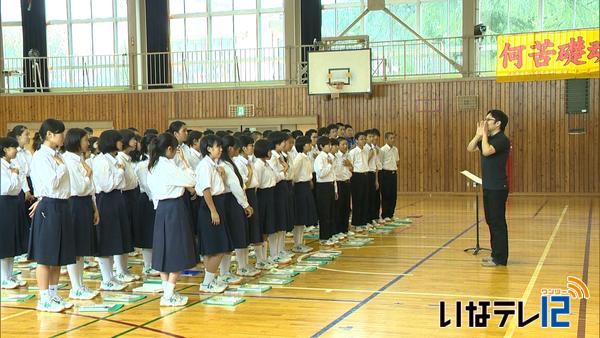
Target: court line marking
390	283
364	272
513	323
584	277
540	209
16	315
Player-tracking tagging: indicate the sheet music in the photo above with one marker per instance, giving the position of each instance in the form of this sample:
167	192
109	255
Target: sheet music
471	176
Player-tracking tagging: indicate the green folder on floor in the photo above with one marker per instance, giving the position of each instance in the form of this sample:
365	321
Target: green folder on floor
123	298
223	301
311	236
312	263
402	221
153	281
253	288
335	253
313	258
92	275
356	242
275	280
16	298
286	272
100	308
303	268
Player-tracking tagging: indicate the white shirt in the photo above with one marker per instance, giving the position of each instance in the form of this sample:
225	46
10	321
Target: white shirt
131	181
232	185
389	157
373	162
23	163
141	171
107	176
286	157
195	158
313	153
359	159
292	153
324	168
265	175
242	164
81	184
166	180
49	178
10	183
302	168
182	157
207	176
276	165
342	173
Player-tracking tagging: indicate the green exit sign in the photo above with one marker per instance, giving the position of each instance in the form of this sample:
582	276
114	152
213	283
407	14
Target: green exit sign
240	111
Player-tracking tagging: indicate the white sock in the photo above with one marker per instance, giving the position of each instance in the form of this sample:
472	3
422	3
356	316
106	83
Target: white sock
79	264
264	250
74	276
11	264
258	250
147	255
225	264
168	289
208	277
106	268
298	235
273	244
5	271
44	294
121	263
281	241
242	258
53	289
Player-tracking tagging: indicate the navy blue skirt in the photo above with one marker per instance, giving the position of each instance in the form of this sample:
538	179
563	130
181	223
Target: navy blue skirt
237	222
213	239
255	234
14	227
114	230
52	237
266	212
291	209
281	206
82	217
173	243
131	199
143	231
305	212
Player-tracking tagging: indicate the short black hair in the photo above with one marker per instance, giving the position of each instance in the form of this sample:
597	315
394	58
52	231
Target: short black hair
332	127
17	131
348	126
334	142
150	131
51	125
128	135
301	142
388	134
261	148
359	134
341	139
89	130
499	116
323	141
73	139
297	133
266	133
192	137
209	141
323	131
245	140
285	130
175	126
107	143
341	125
132	129
7	142
375	132
221	133
277	137
369	132
310	132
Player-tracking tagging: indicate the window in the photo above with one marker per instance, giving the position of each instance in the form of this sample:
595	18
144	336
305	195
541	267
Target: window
87	43
12	41
226	40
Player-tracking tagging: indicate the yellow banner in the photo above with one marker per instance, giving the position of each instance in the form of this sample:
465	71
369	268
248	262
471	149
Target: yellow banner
548	55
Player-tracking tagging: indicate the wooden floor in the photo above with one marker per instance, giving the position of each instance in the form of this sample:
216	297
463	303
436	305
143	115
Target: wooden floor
391	288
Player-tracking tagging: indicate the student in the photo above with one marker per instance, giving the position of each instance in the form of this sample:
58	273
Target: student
332	131
265	194
305	213
23	160
350	138
378	166
145	213
93	148
245	165
131	194
13	223
312	134
326	191
89	131
359	158
389	159
288	157
52	237
281	206
83	212
173	242
372	181
214	237
341	130
114	230
238	210
343	174
193	143
179	130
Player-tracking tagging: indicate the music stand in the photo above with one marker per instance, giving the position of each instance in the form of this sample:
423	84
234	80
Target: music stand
476	183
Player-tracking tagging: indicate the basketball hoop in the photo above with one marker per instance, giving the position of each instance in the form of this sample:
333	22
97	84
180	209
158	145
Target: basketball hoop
336	87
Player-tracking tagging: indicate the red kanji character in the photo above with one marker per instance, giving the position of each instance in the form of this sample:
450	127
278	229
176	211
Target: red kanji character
542	57
594	49
512	54
572	51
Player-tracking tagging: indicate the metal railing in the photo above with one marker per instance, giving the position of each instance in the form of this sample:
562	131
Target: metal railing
391	60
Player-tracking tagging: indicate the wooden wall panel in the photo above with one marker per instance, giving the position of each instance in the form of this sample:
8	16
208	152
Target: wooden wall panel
432	132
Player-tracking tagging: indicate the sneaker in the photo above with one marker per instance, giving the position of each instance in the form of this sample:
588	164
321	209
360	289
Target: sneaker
310	229
230	279
9	284
350	233
212	287
19	281
289	234
328	242
112	285
281	260
91	292
82	294
49	305
149	272
247	272
302	248
124	278
264	265
487	259
89	264
133	254
286	254
64	303
387	219
175	300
